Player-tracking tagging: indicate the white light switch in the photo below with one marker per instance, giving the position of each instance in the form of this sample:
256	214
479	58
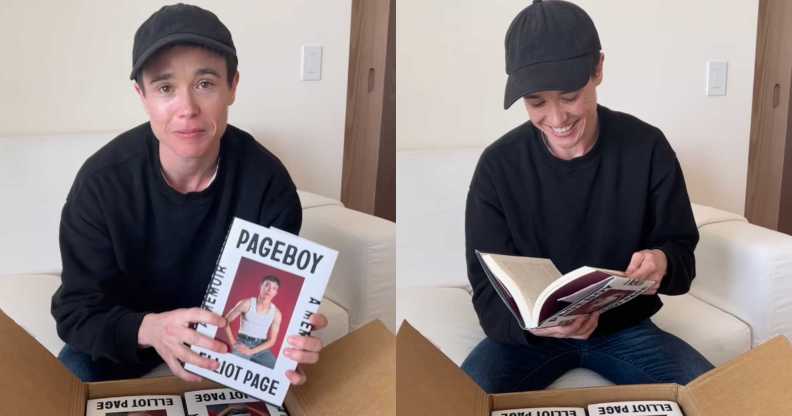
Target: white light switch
311	65
717	72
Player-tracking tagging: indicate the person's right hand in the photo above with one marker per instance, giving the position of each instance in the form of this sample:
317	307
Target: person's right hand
168	332
580	328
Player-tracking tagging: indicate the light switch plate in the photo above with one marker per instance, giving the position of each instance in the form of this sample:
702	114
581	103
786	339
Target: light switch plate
717	75
311	63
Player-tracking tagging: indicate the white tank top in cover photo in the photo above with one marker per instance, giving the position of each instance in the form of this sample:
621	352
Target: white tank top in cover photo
257	325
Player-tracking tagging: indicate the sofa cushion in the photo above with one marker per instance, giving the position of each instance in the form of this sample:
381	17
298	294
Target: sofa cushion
445	316
26	299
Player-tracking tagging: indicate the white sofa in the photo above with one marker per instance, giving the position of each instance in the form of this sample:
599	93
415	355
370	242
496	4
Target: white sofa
742	294
35	176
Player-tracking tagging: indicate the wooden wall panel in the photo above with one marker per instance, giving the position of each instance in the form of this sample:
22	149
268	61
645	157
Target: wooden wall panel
768	193
368	178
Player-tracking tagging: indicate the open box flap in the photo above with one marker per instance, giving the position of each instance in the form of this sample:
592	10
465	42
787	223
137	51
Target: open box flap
32	381
354	376
429	383
758	382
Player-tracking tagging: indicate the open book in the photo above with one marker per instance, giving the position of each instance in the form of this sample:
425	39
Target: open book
539	296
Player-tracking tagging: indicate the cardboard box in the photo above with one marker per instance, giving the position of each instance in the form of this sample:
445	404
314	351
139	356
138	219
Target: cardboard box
355	376
757	383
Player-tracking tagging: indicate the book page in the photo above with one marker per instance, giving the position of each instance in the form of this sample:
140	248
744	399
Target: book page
227	402
524	277
542	411
636	408
267	283
157	405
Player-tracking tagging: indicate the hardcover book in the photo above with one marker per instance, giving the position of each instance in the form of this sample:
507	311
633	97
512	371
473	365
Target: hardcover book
154	405
636	408
227	402
542	411
267	283
539	296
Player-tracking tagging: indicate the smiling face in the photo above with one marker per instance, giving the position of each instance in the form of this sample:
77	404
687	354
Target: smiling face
186	95
568	119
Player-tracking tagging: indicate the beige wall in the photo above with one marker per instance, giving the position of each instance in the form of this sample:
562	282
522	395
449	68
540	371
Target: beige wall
450	76
66	67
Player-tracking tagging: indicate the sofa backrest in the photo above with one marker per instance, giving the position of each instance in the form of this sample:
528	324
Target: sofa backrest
36	174
431	187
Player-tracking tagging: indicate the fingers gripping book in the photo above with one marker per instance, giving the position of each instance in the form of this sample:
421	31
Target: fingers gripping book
267	284
539	296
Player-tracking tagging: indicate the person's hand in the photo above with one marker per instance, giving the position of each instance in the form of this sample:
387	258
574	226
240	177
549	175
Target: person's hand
305	350
168	332
580	328
648	265
243	349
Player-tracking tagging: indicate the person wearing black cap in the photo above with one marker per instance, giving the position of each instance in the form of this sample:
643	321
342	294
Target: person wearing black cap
147	214
582	185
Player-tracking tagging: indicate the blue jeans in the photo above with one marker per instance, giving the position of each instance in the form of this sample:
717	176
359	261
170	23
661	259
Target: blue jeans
641	354
265	358
87	369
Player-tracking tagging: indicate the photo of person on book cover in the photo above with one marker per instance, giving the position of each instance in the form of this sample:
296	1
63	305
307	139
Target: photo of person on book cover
239	409
255	312
606	298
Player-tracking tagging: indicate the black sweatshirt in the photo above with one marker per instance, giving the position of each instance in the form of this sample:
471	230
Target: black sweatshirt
626	194
131	244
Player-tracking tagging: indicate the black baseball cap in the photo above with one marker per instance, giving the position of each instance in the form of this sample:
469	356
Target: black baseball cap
550	45
179	23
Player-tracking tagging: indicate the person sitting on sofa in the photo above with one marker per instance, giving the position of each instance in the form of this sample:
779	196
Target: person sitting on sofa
147	214
582	185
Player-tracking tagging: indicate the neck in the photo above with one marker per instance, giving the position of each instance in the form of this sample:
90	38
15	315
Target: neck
189	175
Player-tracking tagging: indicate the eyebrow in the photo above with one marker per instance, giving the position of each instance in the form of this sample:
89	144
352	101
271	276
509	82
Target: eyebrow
169	75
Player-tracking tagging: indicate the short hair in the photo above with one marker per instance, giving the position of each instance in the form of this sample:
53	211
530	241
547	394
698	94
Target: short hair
230	60
597	56
269	278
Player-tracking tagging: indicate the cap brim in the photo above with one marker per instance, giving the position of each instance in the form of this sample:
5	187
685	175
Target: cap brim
568	75
176	38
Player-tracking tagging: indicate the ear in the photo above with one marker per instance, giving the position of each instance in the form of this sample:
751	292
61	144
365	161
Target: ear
597	77
233	88
138	90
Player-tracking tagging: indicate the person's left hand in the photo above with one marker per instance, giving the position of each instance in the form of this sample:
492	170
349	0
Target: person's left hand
305	350
648	265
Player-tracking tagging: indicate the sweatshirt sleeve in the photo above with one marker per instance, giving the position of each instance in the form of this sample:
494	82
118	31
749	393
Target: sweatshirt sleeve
672	227
486	230
86	307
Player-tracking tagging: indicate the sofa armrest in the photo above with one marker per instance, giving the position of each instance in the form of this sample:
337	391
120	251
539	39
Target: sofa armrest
746	270
363	278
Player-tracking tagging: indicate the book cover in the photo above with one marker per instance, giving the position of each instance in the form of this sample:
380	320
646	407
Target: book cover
227	402
267	283
542	411
636	408
154	405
